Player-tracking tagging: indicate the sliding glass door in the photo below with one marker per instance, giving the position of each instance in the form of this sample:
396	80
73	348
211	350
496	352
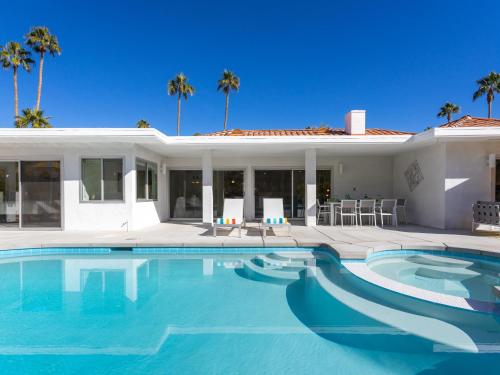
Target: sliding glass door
185	194
227	184
41	194
273	184
289	185
9	194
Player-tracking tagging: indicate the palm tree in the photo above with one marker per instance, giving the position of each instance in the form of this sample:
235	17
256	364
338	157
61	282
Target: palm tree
488	85
13	55
32	118
229	81
41	41
182	88
143	124
447	110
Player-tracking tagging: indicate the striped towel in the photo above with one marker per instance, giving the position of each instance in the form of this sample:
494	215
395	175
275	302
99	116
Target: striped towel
276	220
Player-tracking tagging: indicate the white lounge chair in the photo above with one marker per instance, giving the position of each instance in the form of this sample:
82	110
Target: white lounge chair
274	215
232	216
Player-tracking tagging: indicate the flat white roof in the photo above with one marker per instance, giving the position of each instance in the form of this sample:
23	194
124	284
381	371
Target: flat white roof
186	145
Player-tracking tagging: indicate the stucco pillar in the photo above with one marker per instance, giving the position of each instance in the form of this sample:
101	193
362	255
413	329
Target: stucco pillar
310	206
207	193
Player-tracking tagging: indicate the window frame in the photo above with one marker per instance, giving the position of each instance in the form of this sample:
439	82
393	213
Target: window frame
102	158
147	164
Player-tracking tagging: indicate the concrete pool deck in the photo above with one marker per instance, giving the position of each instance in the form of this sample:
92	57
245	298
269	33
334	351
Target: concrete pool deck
347	242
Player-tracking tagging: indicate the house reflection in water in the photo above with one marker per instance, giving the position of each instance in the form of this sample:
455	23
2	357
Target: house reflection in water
96	285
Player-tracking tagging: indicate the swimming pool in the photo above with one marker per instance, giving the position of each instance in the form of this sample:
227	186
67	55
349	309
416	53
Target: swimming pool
244	311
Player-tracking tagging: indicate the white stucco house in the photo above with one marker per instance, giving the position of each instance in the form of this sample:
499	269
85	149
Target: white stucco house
127	179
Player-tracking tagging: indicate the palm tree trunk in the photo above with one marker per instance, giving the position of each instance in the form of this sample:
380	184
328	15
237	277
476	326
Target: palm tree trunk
449	117
40	73
179	115
490	102
16	101
227	110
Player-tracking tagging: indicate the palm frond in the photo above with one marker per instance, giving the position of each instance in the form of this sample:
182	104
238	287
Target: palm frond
228	82
487	85
13	55
32	118
41	40
180	86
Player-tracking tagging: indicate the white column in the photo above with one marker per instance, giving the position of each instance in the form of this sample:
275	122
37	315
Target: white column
310	206
249	199
207	194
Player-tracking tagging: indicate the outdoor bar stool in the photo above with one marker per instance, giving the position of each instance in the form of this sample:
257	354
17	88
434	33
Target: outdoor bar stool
388	209
401	209
323	210
367	208
347	208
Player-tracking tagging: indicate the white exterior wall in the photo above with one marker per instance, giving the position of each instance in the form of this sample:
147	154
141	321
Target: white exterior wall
367	175
147	213
78	215
456	174
468	179
94	215
425	204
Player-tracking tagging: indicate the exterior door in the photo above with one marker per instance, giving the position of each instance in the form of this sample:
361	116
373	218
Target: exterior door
41	194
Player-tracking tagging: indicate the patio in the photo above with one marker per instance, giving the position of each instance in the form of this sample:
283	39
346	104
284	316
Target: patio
348	242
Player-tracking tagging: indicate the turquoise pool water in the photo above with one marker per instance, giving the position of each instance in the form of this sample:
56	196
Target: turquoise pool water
201	313
461	276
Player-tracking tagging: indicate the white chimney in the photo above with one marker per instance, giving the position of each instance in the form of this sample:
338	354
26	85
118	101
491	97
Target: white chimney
355	122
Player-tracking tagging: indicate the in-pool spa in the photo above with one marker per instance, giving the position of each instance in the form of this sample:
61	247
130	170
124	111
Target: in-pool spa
217	311
475	278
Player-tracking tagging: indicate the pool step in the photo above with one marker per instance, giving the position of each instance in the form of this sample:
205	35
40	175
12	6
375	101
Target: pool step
282	262
275	273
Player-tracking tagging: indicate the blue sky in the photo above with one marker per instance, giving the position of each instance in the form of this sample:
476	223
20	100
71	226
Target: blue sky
300	62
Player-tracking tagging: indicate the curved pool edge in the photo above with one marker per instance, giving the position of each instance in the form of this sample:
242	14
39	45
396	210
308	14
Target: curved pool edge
361	270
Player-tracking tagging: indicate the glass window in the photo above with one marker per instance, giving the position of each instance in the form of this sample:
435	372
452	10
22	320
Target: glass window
140	170
299	192
102	179
185	194
497	181
147	180
112	175
152	181
91	179
9	194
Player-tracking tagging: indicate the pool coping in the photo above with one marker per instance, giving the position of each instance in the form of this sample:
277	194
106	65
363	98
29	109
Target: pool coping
343	250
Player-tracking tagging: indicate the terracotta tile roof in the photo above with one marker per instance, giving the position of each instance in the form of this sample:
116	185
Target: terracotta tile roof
472	122
299	132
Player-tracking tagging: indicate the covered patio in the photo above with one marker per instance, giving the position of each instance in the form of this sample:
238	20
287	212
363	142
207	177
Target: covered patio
302	172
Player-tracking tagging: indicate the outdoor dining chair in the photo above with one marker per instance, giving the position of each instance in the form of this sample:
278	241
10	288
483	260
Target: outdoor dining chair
387	209
401	209
367	209
347	208
323	210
